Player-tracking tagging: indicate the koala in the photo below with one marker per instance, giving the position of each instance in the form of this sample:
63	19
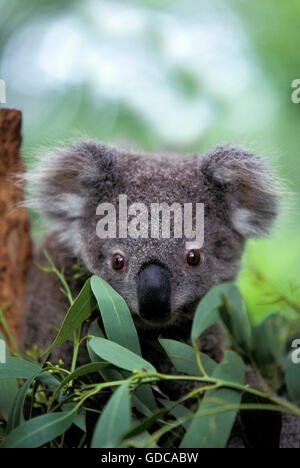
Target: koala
161	281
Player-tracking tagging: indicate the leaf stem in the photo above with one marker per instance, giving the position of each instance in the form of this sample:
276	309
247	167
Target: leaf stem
154	376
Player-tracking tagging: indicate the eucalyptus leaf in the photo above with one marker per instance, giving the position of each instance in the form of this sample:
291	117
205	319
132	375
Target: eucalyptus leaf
209	427
79	372
95	329
80	420
80	311
146	423
138	441
293	377
231	369
269	339
38	431
116	316
184	359
143	399
107	373
8	392
207	311
86	369
114	421
18	368
119	356
178	411
16	414
234	315
80	417
140	405
22	369
143	395
8	388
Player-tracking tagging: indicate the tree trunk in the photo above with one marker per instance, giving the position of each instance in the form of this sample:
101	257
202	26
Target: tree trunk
15	242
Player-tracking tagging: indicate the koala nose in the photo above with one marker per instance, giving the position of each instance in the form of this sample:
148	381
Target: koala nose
153	291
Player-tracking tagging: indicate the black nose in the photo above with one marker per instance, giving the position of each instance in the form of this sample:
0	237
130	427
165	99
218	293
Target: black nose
154	293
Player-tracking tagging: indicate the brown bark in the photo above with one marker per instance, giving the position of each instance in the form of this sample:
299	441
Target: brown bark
15	242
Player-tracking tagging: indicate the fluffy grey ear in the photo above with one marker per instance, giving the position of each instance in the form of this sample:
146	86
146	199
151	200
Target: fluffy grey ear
63	180
247	185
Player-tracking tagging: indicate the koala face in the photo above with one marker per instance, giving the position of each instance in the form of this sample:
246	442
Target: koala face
161	280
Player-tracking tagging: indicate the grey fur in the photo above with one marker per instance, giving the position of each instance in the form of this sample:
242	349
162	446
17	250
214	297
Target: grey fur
240	200
238	193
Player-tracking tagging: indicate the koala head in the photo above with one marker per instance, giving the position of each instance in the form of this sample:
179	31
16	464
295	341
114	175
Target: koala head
160	279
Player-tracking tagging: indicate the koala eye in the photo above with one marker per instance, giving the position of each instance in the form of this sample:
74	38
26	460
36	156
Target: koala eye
193	258
118	262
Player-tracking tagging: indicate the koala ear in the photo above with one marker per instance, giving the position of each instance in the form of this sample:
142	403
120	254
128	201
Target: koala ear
63	180
248	187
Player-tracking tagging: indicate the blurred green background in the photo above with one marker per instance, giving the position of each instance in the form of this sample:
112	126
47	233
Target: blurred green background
175	74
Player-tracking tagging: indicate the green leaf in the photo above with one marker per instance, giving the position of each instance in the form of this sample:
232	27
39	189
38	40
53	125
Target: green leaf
116	316
293	376
138	441
80	311
86	369
95	330
82	370
143	397
8	389
22	369
38	431
269	339
178	411
119	356
80	418
16	414
207	311
210	428
184	359
13	402
144	394
114	421
234	315
146	423
231	369
18	368
140	405
89	368
108	374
